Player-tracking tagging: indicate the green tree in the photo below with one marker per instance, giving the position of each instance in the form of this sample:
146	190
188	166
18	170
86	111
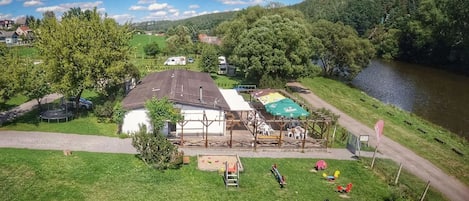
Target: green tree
209	59
81	53
342	52
7	81
161	111
32	80
155	150
151	49
180	41
269	41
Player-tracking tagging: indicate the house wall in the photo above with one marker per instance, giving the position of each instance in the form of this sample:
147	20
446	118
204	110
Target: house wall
195	125
132	120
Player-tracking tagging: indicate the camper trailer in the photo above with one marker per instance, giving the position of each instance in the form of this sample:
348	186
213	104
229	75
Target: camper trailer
172	61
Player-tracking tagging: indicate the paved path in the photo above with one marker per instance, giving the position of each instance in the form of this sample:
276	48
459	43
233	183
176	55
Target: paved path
91	143
25	107
451	187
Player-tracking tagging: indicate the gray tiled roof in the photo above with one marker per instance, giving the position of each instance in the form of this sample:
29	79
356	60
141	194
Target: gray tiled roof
179	86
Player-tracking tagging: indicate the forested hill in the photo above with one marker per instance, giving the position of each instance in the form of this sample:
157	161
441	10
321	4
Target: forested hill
203	23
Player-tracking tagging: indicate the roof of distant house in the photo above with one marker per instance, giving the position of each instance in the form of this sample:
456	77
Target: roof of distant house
180	86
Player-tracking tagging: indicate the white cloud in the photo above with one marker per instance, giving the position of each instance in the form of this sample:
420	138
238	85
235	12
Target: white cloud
138	8
157	6
189	13
146	1
173	10
122	18
159	14
236	9
32	3
240	2
5	16
194	6
4	2
66	6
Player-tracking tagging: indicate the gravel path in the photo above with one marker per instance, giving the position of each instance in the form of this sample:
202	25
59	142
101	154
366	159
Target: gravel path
91	143
450	186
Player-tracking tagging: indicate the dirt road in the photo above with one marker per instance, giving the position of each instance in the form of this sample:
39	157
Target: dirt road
451	187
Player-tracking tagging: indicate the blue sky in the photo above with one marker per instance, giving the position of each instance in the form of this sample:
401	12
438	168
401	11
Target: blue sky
130	10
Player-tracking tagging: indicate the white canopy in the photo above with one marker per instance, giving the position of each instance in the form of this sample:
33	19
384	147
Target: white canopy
234	100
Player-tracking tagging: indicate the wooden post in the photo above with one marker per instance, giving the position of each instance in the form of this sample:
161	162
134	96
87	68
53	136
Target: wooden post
206	124
305	125
425	192
182	124
333	135
280	139
398	174
255	130
231	134
374	157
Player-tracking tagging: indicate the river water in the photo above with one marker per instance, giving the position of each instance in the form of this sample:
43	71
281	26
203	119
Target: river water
438	96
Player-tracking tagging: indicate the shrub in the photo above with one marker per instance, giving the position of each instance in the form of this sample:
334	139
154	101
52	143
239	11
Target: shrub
104	112
155	150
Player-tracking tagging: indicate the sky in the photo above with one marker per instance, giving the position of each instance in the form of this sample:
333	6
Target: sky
129	10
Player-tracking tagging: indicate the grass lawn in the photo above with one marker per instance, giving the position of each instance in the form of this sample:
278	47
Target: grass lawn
13	102
87	124
25	51
49	175
368	110
139	41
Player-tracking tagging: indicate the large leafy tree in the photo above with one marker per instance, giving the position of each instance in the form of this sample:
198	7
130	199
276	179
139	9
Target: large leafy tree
7	81
179	41
32	80
276	44
341	51
151	49
84	51
209	59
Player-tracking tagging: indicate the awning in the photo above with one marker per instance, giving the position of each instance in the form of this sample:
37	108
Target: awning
286	108
270	98
234	100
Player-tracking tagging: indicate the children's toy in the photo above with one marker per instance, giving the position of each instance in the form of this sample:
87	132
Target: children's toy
330	177
278	176
347	189
320	165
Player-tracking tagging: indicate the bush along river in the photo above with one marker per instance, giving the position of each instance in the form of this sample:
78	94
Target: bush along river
438	96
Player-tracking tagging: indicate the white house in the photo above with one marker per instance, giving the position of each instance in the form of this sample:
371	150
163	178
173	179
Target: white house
194	93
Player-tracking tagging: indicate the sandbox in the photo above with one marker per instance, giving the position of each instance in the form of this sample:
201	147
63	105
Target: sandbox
217	162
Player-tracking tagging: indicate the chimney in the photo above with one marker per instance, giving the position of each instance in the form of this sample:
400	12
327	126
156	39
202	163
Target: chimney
200	94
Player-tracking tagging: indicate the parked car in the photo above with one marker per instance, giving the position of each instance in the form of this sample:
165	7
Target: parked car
84	103
190	60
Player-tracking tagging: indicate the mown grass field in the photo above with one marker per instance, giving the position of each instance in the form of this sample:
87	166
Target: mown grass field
368	110
49	175
139	41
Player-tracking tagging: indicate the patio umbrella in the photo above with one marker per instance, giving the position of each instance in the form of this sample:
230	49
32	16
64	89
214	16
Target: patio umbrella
286	108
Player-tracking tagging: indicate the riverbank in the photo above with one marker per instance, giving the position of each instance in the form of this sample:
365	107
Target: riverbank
444	149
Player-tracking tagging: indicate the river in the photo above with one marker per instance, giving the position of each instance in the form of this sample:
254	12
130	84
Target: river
438	96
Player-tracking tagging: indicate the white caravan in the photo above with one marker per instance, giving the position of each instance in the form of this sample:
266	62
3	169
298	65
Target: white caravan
172	61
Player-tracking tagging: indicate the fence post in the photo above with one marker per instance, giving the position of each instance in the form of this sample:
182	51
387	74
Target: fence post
425	192
398	174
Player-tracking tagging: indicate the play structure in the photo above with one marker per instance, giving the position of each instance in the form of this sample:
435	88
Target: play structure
331	177
347	189
56	115
280	178
231	174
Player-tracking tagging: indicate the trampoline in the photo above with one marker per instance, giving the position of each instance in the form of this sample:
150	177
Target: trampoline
56	114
